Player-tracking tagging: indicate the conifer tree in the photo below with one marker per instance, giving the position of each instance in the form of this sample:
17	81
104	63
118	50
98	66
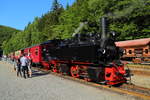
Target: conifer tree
55	5
67	6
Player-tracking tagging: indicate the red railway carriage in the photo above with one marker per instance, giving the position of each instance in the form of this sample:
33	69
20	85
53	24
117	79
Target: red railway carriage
34	53
39	54
136	50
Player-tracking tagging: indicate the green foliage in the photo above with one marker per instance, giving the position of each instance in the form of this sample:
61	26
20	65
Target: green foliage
6	33
130	19
50	20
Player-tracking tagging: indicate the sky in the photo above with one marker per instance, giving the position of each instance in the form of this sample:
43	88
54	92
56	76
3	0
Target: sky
18	13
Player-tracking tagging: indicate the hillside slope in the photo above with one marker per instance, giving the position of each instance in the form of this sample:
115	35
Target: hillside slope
6	33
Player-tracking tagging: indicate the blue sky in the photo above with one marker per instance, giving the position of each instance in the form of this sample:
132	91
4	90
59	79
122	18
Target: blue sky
18	13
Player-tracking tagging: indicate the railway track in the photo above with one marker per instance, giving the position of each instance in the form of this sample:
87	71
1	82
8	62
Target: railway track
139	72
125	89
140	91
139	66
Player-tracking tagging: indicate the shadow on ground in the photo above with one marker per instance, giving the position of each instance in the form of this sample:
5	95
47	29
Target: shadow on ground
36	73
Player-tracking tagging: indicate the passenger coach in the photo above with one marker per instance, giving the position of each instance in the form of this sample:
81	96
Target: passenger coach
136	50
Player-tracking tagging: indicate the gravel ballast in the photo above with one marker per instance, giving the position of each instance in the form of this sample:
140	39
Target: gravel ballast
140	80
48	87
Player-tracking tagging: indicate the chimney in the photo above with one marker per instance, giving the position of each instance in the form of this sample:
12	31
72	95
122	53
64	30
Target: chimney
104	29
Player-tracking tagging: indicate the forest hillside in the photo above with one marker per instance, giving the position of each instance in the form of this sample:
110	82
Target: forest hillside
130	19
6	33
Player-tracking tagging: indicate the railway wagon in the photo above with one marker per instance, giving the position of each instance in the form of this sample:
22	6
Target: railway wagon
34	53
38	54
137	50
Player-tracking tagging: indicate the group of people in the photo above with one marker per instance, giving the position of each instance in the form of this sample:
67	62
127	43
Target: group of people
23	67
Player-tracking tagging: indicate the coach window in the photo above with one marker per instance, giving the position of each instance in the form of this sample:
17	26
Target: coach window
130	51
36	52
146	51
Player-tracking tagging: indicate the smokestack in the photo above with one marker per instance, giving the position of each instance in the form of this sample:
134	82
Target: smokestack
104	30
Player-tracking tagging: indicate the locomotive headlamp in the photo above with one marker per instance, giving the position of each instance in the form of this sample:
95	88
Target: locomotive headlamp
104	51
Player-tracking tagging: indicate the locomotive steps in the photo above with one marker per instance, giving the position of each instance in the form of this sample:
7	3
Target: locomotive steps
126	89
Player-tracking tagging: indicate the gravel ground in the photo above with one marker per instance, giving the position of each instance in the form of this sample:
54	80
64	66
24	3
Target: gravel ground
143	81
48	87
139	79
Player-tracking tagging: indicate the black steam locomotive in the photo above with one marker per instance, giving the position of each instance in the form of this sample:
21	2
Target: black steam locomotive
90	56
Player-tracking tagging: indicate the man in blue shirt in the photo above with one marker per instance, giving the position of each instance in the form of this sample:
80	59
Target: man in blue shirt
24	65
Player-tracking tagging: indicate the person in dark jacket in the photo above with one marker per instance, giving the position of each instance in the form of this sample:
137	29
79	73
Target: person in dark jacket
18	68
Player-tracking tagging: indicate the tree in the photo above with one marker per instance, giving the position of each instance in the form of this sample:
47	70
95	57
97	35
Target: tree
55	5
67	6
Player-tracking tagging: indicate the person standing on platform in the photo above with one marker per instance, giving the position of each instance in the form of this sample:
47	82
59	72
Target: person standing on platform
29	65
18	67
24	65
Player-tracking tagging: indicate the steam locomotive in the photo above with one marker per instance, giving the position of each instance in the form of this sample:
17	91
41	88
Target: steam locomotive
88	56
